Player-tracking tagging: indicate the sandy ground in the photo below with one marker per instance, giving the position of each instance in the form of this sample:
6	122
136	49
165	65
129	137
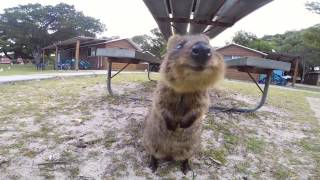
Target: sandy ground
104	141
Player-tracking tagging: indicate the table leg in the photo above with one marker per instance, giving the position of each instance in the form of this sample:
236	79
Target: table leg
109	78
261	103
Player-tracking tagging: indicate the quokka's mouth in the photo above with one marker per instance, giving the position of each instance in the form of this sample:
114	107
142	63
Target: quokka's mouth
197	68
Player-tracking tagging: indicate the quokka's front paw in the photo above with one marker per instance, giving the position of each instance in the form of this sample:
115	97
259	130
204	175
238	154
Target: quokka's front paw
168	118
188	119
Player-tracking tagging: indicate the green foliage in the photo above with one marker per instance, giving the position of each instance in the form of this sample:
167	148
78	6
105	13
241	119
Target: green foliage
154	44
252	41
244	38
261	45
312	37
313	6
255	145
25	29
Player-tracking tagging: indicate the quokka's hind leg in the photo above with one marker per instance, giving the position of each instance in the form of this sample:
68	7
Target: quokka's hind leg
153	164
185	166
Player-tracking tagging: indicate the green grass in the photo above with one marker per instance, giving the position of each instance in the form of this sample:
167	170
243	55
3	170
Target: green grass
216	154
295	104
255	145
22	69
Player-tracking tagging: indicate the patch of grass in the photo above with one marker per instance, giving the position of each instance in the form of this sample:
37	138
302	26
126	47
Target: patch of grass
17	145
255	145
68	155
134	77
282	173
22	69
216	154
312	147
93	153
109	140
243	167
30	153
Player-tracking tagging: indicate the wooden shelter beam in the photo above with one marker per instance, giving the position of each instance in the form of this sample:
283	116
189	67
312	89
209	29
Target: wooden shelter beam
194	21
76	67
158	8
181	9
43	54
295	72
56	59
205	10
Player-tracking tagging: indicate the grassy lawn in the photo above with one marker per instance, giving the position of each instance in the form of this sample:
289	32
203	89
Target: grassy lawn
22	69
70	128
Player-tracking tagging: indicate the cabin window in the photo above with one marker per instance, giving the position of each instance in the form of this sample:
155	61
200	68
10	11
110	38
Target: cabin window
229	57
92	51
236	57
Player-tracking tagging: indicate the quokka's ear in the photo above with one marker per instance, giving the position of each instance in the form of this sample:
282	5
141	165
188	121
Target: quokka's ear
173	40
205	37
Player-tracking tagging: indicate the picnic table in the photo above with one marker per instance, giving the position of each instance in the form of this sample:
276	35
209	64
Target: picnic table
127	56
200	16
211	18
257	66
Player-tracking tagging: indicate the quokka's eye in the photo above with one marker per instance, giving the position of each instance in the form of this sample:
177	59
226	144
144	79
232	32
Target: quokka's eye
180	45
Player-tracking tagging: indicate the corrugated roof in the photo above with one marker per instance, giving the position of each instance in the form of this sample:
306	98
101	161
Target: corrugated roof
210	17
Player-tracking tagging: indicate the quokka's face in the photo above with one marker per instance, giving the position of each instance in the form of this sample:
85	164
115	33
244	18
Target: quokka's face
190	62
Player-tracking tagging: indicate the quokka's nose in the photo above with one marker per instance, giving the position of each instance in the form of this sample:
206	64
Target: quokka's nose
201	52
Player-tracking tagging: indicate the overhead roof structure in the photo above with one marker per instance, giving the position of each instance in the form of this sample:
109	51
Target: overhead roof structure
209	17
86	41
72	41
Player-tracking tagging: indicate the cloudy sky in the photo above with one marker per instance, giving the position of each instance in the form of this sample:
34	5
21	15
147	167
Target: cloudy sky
127	18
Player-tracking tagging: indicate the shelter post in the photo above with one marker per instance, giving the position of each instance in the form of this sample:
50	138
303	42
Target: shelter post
76	67
56	59
295	73
43	54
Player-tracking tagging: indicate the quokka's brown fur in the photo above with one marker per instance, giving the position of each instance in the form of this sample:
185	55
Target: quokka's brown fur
174	124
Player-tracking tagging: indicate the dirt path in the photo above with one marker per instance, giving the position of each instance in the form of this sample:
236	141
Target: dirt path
315	106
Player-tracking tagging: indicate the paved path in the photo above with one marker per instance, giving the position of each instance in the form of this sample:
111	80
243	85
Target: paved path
15	78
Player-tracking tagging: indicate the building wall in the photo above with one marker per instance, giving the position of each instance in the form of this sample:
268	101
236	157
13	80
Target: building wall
102	62
237	51
312	78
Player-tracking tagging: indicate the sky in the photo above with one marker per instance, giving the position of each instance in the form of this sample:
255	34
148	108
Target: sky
127	18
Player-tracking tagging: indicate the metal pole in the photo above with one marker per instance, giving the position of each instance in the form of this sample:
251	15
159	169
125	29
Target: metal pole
121	70
261	103
109	77
149	72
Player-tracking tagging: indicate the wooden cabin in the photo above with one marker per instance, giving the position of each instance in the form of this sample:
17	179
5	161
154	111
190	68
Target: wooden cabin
84	48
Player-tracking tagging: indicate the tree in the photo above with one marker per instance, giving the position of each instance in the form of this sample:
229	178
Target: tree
312	37
155	44
243	38
25	29
313	6
252	41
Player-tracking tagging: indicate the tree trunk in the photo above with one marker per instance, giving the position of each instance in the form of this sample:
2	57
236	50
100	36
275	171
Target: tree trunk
303	70
7	55
36	53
